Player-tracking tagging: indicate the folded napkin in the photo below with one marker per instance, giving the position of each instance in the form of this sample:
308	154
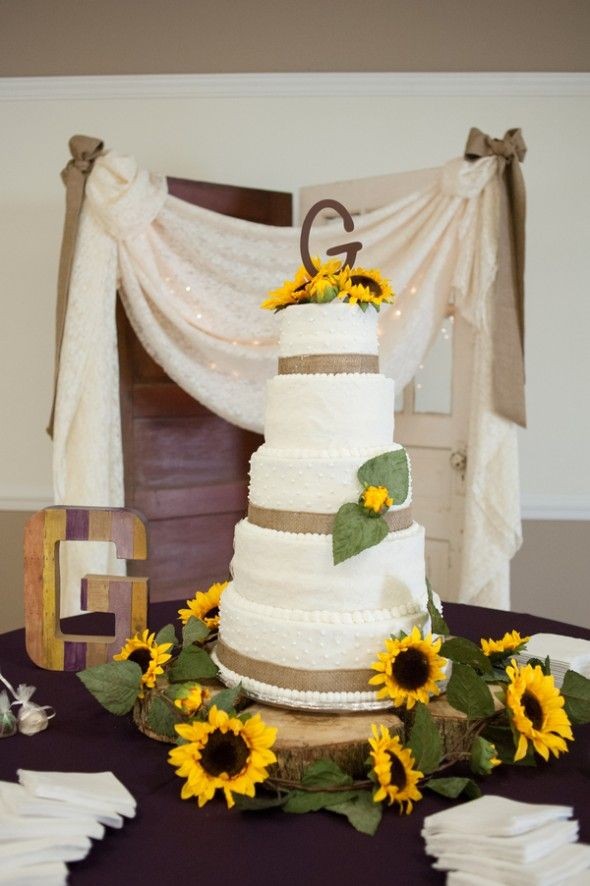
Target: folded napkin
553	869
17	800
493	816
16	827
566	654
53	873
99	792
20	853
519	849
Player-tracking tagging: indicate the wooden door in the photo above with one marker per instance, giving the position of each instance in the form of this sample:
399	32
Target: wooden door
432	412
186	468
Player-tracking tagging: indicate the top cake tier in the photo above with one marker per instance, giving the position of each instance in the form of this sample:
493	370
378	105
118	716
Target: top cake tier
334	328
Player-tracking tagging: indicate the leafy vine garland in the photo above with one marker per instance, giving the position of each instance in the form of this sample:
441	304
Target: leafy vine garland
514	714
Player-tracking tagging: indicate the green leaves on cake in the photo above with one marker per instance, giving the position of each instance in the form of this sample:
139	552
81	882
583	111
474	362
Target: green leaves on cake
360	525
356	286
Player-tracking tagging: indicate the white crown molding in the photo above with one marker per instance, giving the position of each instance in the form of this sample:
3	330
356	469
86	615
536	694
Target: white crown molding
534	507
150	86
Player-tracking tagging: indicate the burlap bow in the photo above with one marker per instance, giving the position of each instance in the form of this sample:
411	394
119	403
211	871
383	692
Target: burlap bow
84	150
508	304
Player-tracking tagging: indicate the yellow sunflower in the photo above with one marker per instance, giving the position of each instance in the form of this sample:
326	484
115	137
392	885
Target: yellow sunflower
364	285
409	669
510	642
536	710
190	699
304	287
149	655
376	499
223	752
393	768
205	605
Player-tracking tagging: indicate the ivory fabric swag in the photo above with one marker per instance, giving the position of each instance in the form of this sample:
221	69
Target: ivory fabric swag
192	280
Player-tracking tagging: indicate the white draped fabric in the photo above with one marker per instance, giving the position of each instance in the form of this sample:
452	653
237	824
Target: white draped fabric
192	282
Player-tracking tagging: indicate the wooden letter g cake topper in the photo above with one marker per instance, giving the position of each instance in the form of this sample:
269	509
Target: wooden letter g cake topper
351	250
127	598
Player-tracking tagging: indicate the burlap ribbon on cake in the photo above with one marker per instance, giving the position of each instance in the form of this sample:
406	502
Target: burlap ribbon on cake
320	524
84	150
328	364
507	306
293	678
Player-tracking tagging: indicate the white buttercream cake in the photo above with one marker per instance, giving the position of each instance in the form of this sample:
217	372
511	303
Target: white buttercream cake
295	628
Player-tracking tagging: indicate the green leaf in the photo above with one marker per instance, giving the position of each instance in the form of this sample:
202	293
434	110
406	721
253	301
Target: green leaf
115	685
576	690
538	662
226	700
328	295
501	735
480	756
453	787
466	652
497	675
439	625
161	718
467	692
193	663
363	305
324	774
259	804
167	634
362	812
194	631
389	469
310	801
425	741
355	530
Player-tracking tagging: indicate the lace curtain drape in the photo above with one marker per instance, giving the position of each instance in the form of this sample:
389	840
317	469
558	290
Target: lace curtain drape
192	282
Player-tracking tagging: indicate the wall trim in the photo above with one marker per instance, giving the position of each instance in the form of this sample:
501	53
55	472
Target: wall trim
150	86
555	507
534	507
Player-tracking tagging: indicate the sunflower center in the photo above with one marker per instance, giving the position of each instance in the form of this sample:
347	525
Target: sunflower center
212	613
371	284
532	709
224	752
142	657
411	669
398	772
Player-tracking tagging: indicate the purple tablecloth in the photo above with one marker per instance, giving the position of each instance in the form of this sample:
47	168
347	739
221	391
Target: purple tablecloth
171	840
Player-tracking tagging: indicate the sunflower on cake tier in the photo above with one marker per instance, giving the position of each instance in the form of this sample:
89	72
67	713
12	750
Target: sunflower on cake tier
223	752
149	655
205	606
393	770
536	710
409	669
357	286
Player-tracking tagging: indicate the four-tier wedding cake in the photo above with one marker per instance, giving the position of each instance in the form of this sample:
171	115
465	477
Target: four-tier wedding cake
302	622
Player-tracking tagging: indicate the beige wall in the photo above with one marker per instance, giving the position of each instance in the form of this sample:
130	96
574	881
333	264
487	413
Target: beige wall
44	37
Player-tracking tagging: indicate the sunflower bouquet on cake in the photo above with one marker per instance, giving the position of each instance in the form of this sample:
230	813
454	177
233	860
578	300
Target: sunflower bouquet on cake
332	281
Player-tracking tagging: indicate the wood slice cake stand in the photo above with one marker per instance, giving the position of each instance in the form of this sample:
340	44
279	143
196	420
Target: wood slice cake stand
303	737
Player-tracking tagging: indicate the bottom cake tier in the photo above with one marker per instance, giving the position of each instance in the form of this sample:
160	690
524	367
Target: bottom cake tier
307	659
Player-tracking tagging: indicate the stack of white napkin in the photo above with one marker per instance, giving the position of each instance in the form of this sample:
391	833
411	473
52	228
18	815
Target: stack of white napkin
494	840
50	818
566	654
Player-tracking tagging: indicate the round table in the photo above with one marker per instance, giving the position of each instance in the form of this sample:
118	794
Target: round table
172	840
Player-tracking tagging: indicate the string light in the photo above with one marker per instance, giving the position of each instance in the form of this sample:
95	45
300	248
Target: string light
413	290
187	288
398	313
